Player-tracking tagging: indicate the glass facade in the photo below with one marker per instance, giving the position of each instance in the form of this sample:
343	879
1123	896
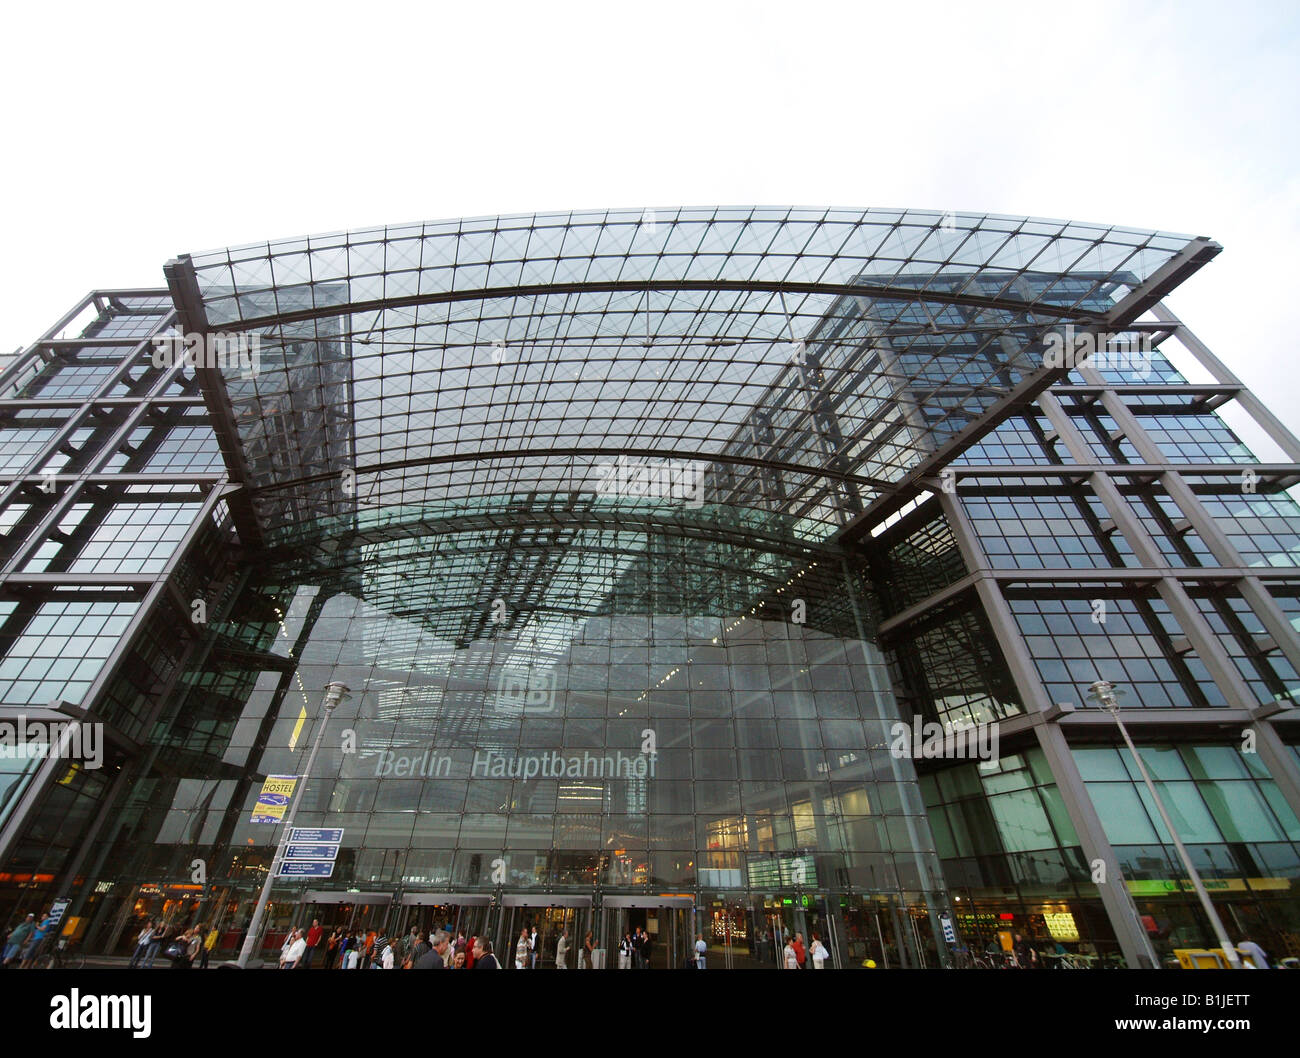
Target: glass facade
635	537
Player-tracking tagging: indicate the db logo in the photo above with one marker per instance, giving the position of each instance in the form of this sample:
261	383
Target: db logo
526	691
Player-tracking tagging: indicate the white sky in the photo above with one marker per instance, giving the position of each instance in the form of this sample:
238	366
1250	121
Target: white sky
139	131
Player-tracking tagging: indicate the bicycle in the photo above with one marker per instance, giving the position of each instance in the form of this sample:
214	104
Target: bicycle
962	960
61	957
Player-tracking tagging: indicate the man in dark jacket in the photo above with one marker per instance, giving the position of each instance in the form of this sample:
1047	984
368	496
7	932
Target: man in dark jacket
433	959
483	957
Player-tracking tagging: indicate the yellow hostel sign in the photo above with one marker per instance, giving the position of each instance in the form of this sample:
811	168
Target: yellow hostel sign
273	801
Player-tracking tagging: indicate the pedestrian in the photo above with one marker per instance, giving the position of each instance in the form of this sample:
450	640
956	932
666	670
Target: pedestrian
295	952
790	957
193	946
36	941
562	951
354	955
156	940
435	957
313	941
638	940
532	949
1026	957
419	947
209	942
289	938
17	940
332	948
801	955
483	957
522	950
587	948
701	949
818	953
647	948
625	952
388	961
183	949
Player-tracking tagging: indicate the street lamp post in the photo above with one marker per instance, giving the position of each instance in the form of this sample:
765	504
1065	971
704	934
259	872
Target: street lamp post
334	694
1104	692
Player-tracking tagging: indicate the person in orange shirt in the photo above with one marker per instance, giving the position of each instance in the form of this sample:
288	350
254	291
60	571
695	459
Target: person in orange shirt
370	945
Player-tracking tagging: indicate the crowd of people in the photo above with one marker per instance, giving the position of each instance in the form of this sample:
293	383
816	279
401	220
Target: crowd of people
796	956
355	950
349	949
27	942
183	947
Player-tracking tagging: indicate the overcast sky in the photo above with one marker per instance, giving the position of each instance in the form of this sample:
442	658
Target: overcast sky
137	131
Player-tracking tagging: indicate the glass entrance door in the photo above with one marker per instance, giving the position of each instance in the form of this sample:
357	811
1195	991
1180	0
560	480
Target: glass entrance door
738	932
552	917
361	916
460	914
665	920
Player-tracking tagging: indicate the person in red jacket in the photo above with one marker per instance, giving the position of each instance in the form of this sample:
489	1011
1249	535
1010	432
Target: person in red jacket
313	938
800	954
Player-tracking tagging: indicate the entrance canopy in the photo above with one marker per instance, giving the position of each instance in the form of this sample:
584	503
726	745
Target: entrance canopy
810	366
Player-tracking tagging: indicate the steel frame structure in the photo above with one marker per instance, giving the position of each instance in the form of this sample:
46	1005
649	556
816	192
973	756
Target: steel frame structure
836	495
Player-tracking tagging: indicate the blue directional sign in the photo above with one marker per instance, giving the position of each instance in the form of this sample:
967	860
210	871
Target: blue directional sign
306	868
311	850
333	835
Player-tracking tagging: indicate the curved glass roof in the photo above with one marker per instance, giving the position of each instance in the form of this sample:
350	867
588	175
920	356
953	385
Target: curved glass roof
803	368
